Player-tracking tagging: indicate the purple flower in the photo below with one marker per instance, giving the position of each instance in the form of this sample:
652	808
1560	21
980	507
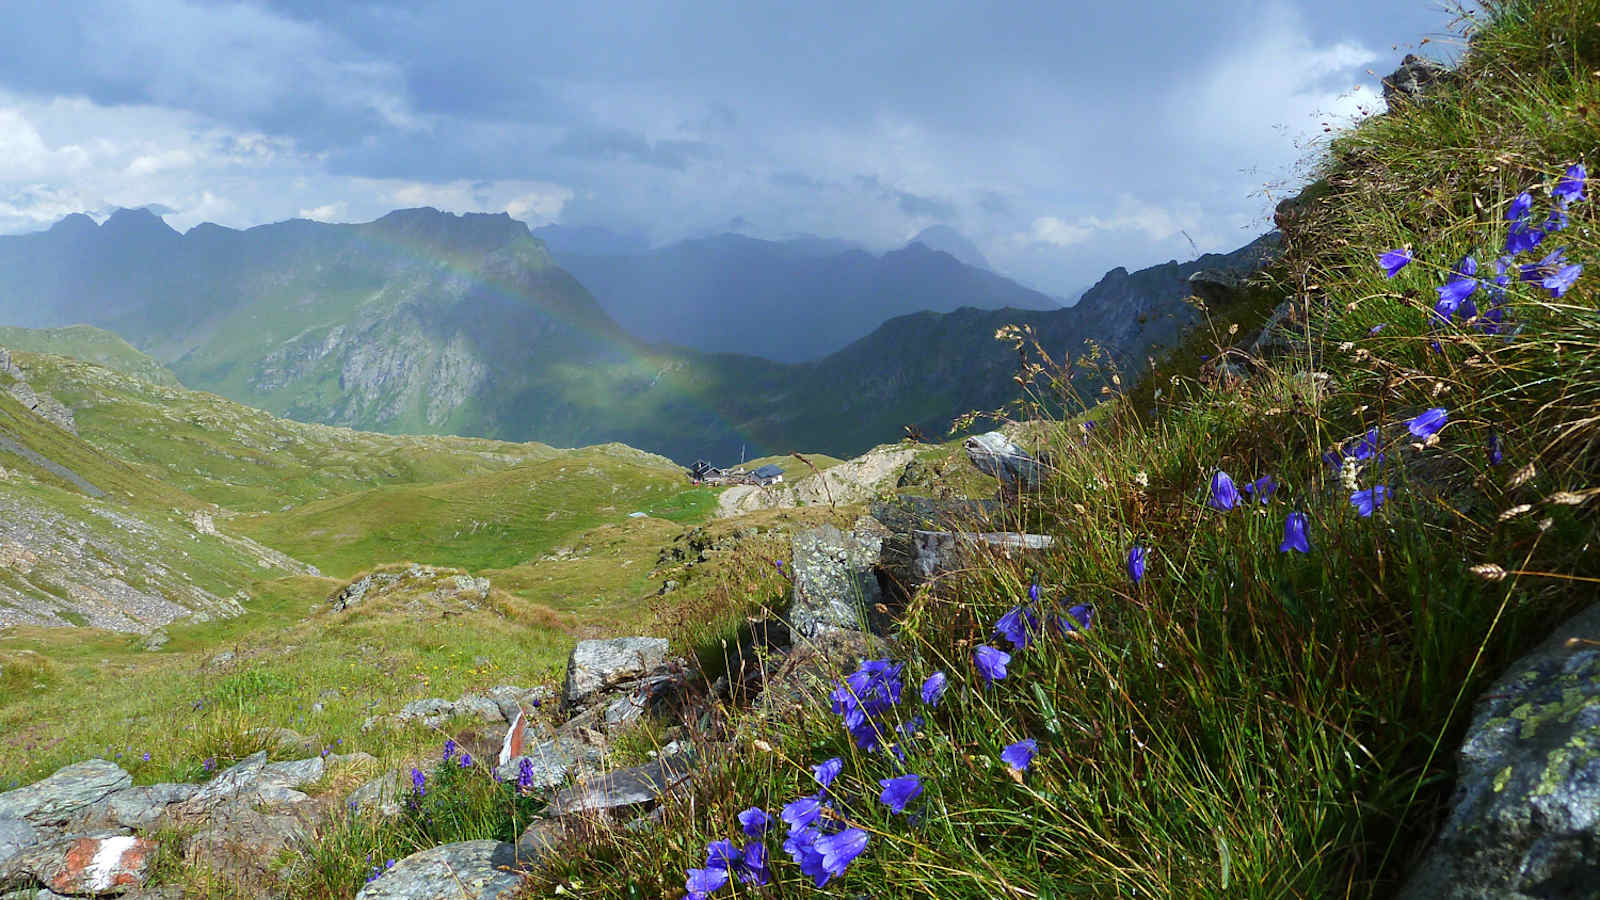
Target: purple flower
1451	295
525	774
754	821
449	749
753	868
1077	617
802	812
841	849
1520	205
1136	562
1570	185
1537	271
1294	534
722	855
1224	495
1033	592
1521	238
801	845
933	688
1367	501
419	782
1020	755
466	760
1018	626
827	771
897	792
1364	448
706	881
1377	328
991	663
1557	221
146	756
1428	423
1261	488
1494	449
1562	280
1394	260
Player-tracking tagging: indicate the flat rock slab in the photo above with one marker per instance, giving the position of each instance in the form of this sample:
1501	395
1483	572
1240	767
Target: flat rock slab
620	789
835	583
1525	818
54	800
597	665
471	870
16	835
549	762
135	807
91	864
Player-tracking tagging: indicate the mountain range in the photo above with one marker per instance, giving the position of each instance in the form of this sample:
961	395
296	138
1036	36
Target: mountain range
789	301
427	322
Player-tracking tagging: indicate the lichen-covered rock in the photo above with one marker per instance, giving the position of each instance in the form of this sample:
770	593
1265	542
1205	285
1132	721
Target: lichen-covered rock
135	807
471	870
835	581
54	800
994	454
1525	819
597	665
16	835
381	796
550	762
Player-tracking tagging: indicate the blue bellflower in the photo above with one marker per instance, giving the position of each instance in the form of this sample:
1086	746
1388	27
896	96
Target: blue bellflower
1367	501
1428	423
933	688
1394	260
1494	449
897	792
991	663
1224	495
1261	488
1570	186
1136	562
827	771
1294	534
1020	755
1520	206
1018	626
1562	280
1077	617
839	850
754	821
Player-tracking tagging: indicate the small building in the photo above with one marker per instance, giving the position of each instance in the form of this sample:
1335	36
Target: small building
703	472
767	474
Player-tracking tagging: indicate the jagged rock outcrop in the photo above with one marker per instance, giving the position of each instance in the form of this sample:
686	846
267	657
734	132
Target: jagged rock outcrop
835	579
1414	79
596	666
1525	819
46	407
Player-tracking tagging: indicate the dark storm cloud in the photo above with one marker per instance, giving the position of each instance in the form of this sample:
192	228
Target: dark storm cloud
1063	138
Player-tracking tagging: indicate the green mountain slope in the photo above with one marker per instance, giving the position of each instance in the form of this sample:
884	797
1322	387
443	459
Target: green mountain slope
90	344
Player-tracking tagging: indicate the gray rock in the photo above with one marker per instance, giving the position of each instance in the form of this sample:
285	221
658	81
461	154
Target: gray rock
540	841
904	515
909	561
381	796
242	842
621	789
230	783
1279	335
553	761
297	773
1217	287
835	585
1415	78
16	835
994	454
54	800
471	870
597	665
1525	818
814	665
135	807
624	710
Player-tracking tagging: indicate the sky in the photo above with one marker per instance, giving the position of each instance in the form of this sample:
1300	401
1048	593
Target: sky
1063	138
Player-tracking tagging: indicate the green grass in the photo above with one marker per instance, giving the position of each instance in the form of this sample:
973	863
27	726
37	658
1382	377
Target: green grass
90	344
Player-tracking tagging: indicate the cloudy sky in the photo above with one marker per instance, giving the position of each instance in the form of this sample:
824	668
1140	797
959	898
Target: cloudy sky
1063	138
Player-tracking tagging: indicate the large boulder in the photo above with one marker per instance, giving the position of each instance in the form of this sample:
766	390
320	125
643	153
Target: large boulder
994	454
16	835
835	579
1525	819
54	800
135	807
470	870
598	665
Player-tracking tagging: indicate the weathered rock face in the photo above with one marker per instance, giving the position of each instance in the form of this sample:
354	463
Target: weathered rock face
471	870
54	800
1525	818
15	836
858	480
598	665
835	582
994	454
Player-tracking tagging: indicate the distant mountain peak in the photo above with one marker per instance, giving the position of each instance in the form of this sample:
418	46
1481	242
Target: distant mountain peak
953	242
137	220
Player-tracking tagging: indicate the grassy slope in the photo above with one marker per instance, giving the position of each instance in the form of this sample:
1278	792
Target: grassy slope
90	344
1246	722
